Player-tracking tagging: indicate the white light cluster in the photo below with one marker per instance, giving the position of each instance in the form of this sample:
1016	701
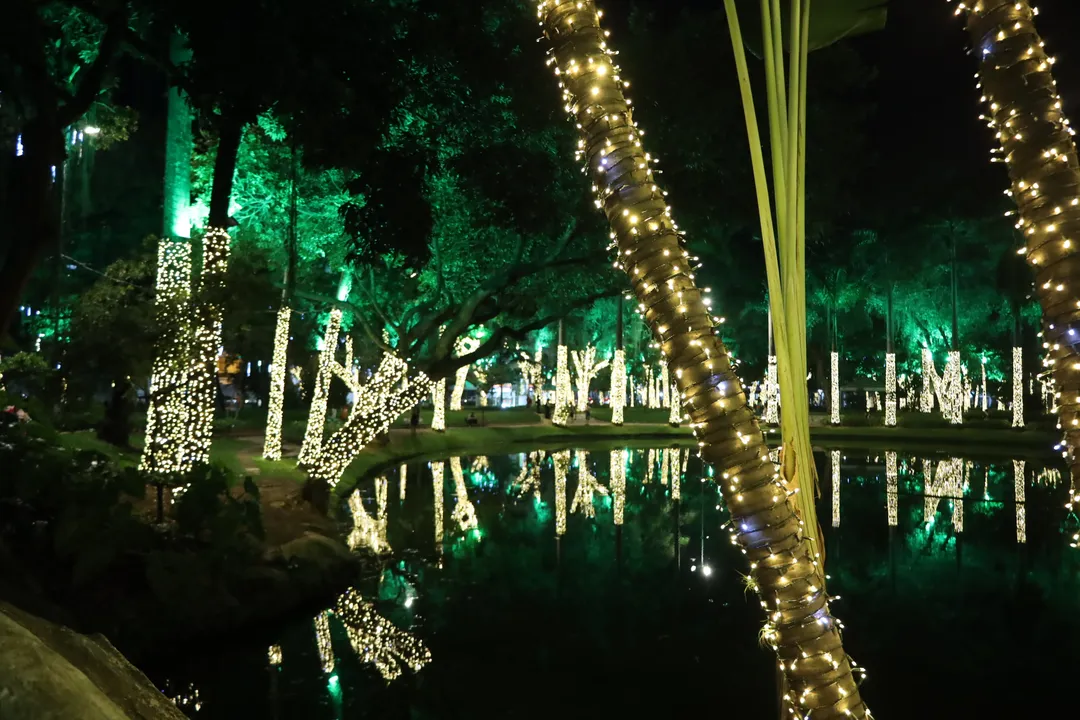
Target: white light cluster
529	478
1020	499
586	368
377	404
588	487
377	641
272	442
403	475
464	513
323	641
437	473
835	459
618	387
618	484
562	464
772	393
929	374
438	400
167	444
946	482
273	655
891	489
1018	387
207	345
674	456
890	389
564	394
834	387
675	403
316	424
370	532
950	389
462	346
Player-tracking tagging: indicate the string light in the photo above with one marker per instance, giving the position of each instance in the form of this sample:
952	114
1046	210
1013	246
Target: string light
891	490
617	471
167	423
765	524
376	640
529	478
438	400
588	487
402	477
950	389
926	399
1018	387
272	443
273	655
369	532
437	471
532	371
316	424
376	405
586	368
835	458
323	641
564	394
890	389
946	482
675	402
207	344
1020	499
834	387
464	512
676	473
562	464
462	346
618	387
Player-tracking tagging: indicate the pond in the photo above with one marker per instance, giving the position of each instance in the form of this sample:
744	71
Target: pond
560	584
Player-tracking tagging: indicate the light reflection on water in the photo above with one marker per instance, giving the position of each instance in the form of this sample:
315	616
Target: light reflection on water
500	547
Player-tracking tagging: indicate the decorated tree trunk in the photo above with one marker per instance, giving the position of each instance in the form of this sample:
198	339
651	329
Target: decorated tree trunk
1037	145
765	526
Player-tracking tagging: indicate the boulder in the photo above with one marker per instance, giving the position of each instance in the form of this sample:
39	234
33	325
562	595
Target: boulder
49	672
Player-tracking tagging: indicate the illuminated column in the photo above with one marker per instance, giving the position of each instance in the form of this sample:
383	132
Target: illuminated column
618	484
402	476
985	404
952	395
272	442
563	391
437	471
891	494
167	422
890	389
834	387
665	385
926	399
586	367
323	641
459	387
661	271
1019	497
562	464
316	425
438	399
618	387
632	390
207	345
835	458
1018	387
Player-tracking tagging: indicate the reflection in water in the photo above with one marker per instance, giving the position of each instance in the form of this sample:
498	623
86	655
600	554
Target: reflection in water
375	640
947	482
437	470
618	484
464	512
273	655
369	532
529	478
890	486
402	475
835	455
562	464
1019	499
323	642
588	486
677	469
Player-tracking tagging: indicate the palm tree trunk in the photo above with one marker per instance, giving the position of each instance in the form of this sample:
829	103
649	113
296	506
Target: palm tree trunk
1037	145
764	520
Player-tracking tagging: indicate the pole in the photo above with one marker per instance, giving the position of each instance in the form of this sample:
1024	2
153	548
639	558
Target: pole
955	324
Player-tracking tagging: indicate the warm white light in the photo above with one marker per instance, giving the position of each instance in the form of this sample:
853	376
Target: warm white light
890	389
618	387
272	442
564	394
835	458
772	394
618	484
834	387
1020	499
1018	387
891	489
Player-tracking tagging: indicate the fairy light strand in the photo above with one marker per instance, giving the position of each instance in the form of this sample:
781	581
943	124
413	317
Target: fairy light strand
272	443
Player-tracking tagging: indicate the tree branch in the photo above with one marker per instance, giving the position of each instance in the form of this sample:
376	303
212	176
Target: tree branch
94	77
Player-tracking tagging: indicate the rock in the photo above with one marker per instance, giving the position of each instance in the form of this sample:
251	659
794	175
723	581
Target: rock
316	550
49	672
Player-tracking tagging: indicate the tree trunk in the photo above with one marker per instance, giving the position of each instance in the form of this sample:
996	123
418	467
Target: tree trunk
1045	172
764	520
